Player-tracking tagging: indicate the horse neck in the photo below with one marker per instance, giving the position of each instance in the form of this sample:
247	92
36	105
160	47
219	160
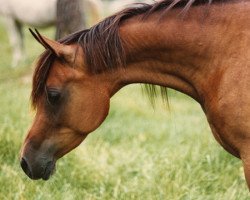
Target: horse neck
183	54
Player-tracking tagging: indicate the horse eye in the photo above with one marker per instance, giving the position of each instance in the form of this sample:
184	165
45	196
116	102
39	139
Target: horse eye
53	96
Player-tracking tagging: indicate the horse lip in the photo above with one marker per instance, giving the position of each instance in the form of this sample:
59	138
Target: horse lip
29	174
49	170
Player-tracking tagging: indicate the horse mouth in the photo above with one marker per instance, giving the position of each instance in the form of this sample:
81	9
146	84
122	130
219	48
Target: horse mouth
48	171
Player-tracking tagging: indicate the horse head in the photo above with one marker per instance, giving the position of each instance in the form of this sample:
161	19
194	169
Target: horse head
71	104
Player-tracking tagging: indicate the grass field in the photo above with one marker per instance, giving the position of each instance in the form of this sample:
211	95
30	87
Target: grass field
138	153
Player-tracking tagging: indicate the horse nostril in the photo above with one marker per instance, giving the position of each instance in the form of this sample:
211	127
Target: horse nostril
25	167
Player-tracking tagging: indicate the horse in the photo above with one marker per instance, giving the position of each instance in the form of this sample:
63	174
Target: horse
198	48
70	17
116	6
42	14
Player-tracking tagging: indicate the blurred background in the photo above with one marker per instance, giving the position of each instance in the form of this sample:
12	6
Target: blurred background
140	152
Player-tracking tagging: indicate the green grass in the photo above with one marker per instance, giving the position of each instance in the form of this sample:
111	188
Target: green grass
138	153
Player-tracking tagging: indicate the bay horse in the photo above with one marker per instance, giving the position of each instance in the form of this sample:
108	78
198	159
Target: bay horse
196	47
44	13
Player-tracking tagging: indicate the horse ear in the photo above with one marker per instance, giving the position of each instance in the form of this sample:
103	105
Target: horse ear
60	50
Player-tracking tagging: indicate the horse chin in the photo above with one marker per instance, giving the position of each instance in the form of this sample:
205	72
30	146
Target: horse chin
49	171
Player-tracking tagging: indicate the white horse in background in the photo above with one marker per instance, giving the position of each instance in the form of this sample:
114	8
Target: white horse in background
36	14
117	5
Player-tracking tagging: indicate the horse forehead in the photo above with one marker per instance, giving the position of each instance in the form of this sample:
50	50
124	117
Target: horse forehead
61	73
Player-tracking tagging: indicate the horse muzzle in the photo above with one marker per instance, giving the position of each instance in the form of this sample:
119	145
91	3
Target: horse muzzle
38	170
37	164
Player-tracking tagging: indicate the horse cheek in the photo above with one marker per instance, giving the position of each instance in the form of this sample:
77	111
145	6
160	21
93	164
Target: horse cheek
95	114
86	112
